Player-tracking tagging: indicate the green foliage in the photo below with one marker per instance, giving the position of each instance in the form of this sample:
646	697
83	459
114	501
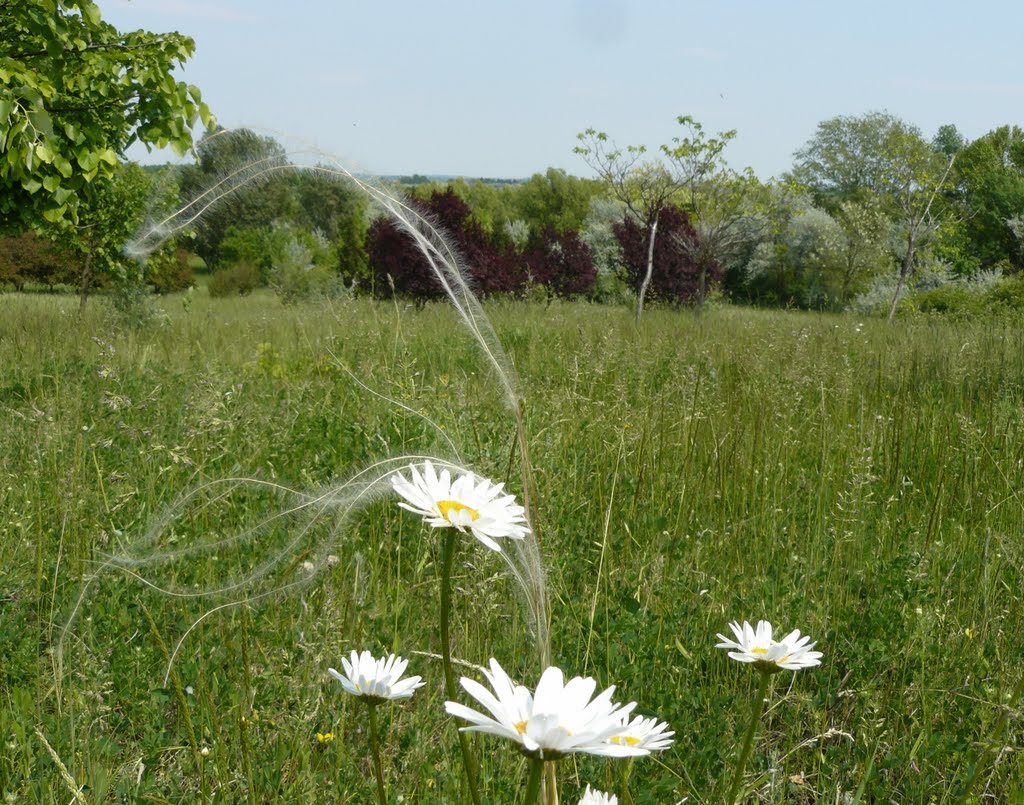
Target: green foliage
29	259
952	299
240	279
253	245
875	155
74	94
337	212
990	184
304	268
817	260
1009	294
241	181
109	213
965	299
170	270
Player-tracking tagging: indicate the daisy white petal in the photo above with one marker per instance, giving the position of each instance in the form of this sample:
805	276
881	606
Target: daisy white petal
562	718
468	504
376	680
759	647
594	797
645	733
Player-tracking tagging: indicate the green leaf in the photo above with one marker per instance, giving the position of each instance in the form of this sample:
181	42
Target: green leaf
6	107
54	214
31	185
62	165
44	153
91	13
51	183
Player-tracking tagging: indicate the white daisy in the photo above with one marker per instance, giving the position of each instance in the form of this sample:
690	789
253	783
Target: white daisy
791	653
560	719
468	503
594	797
643	733
376	680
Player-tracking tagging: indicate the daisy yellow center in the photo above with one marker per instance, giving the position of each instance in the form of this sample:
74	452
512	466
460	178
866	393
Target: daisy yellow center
520	727
450	507
758	650
624	740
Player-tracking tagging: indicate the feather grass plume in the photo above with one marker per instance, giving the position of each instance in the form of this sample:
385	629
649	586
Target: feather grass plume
294	523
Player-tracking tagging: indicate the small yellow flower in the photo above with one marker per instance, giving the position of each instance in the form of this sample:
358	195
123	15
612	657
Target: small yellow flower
970	633
324	737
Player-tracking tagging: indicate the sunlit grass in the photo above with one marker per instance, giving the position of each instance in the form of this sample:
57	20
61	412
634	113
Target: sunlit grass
862	481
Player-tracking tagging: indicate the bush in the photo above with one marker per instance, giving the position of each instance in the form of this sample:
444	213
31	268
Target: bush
294	282
399	267
952	299
131	307
1008	294
28	258
676	277
240	279
561	262
169	271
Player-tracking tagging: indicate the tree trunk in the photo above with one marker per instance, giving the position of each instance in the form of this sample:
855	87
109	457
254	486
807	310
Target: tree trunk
86	282
702	286
650	270
905	266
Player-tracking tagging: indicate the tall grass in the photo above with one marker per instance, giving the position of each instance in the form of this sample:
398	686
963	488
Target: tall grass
862	483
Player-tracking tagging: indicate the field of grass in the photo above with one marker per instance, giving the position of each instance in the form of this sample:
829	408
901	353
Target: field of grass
859	480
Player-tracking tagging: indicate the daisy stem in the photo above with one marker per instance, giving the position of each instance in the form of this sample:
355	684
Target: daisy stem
748	739
533	781
627	767
382	796
447	559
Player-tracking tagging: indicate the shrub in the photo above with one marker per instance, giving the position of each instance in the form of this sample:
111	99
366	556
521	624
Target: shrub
1008	294
399	267
240	279
169	271
954	299
561	262
676	277
28	258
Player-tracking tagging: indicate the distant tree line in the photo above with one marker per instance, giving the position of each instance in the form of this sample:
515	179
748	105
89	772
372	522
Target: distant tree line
872	216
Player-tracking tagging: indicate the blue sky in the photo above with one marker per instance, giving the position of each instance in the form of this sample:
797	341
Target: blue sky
501	89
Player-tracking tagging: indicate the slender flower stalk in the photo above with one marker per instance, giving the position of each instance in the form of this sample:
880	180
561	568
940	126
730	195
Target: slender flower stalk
748	739
757	647
533	781
465	505
382	796
374	682
447	559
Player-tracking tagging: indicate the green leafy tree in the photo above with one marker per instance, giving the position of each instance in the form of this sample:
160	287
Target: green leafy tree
554	199
990	184
241	179
645	187
727	208
879	156
334	208
75	93
108	215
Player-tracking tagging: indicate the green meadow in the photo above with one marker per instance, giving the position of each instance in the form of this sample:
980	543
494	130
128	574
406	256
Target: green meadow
860	480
